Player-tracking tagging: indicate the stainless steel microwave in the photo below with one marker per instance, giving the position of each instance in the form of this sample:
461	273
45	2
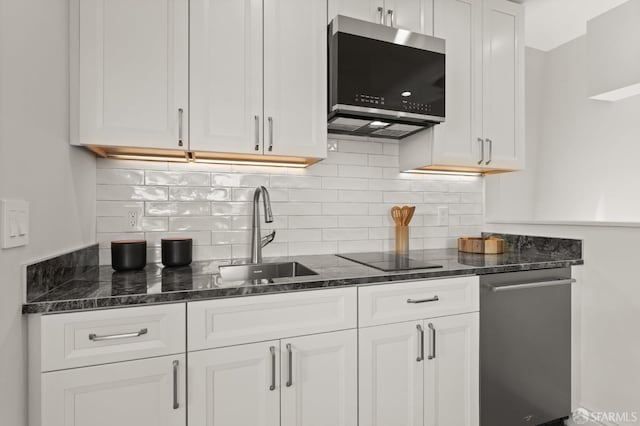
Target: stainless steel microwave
383	81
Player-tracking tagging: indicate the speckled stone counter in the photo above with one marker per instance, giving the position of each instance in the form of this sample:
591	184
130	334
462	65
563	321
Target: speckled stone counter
103	288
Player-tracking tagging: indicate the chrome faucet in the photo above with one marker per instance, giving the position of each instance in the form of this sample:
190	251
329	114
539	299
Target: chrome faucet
257	241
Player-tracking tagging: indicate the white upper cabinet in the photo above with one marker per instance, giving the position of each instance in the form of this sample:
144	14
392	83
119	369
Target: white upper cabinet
366	10
484	120
412	15
295	78
457	140
503	76
226	76
451	371
129	73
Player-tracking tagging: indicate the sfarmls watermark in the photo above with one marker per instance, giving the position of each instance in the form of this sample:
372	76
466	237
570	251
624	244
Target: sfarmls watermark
582	416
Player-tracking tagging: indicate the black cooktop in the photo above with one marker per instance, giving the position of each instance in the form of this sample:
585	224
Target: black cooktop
388	261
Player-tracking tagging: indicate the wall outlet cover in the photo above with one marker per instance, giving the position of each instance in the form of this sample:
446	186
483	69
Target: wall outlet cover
14	223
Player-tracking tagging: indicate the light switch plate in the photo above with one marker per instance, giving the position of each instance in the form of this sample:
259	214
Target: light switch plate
14	223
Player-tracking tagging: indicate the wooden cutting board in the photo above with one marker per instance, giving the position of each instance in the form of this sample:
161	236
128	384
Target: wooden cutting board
477	245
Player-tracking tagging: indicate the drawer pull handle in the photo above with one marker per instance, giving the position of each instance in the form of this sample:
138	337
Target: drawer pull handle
432	341
420	343
272	349
433	299
95	338
290	351
176	404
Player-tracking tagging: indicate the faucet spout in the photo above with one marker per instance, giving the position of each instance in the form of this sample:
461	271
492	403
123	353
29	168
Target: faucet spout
257	241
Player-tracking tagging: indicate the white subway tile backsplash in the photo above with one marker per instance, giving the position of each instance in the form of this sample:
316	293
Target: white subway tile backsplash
205	223
345	183
119	208
365	146
178	208
344	209
177	178
128	192
119	177
338	205
359	171
296	182
345	234
178	193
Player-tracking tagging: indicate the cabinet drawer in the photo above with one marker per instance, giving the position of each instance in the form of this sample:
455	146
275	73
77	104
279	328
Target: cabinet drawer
97	337
216	323
389	303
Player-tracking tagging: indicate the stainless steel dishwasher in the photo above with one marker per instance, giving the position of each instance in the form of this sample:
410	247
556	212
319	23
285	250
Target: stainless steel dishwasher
525	347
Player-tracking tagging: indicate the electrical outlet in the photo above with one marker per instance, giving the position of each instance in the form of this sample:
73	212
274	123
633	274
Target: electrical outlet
132	219
443	216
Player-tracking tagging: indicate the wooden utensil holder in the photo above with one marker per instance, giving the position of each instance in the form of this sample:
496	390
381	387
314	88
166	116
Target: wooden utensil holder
402	239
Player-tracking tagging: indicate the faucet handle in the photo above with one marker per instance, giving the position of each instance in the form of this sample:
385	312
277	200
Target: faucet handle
267	239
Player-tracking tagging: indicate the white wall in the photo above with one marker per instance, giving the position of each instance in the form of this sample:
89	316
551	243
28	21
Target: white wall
36	164
339	205
583	171
586	167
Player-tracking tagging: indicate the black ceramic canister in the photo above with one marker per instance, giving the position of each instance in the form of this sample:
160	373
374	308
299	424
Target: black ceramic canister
177	251
128	255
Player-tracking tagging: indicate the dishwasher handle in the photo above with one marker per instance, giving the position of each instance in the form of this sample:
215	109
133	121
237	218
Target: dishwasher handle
530	285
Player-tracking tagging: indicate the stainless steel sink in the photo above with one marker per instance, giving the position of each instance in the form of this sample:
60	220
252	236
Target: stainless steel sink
264	271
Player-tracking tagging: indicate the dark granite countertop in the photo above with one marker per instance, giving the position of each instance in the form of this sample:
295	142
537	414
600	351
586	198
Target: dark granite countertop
104	288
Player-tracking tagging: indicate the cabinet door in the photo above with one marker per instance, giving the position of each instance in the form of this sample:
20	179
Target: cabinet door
226	76
456	141
451	377
129	73
503	84
320	380
367	10
133	393
391	377
235	386
412	15
295	78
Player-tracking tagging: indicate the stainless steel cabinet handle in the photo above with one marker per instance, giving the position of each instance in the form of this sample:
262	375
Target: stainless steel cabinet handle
176	405
272	349
391	15
270	133
380	15
95	338
420	343
257	130
180	115
432	341
433	299
490	142
290	352
530	285
481	150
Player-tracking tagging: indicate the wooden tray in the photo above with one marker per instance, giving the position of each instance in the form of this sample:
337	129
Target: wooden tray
481	245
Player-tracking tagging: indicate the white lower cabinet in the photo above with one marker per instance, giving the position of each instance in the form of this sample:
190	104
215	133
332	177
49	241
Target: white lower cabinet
319	380
235	386
390	376
420	373
302	381
451	388
149	392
